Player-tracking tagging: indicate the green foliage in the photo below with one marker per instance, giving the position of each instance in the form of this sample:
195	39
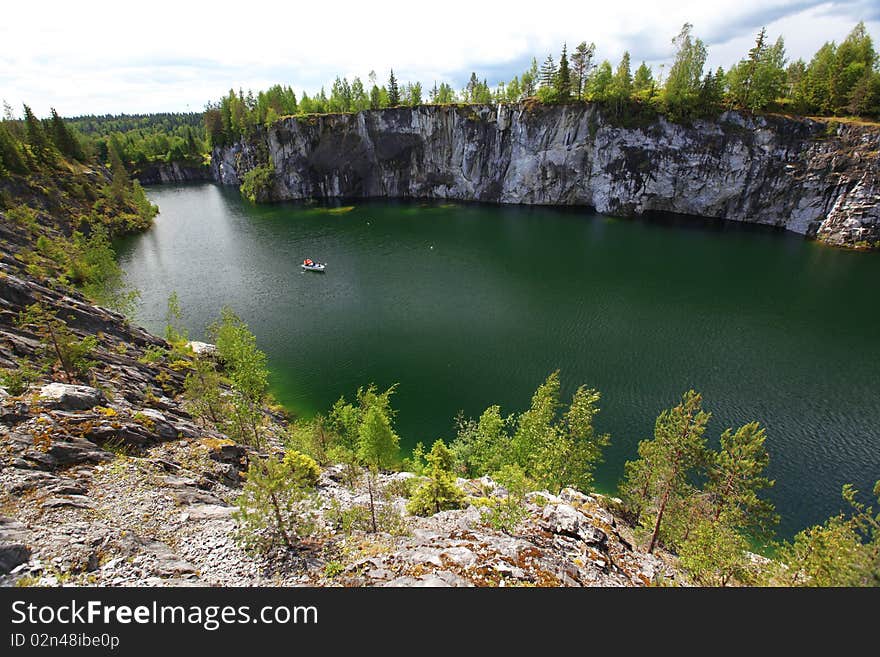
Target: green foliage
40	145
482	446
736	481
63	138
141	139
375	445
153	354
554	448
393	91
23	216
756	82
661	477
581	66
93	267
332	569
18	380
686	74
89	263
257	183
59	345
715	554
643	82
203	395
439	492
562	82
360	517
378	445
248	371
844	551
311	437
547	74
505	514
278	504
12	159
175	332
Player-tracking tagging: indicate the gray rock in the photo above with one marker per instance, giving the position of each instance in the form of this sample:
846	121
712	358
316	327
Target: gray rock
459	555
73	501
168	563
178	482
12	531
202	348
70	397
573	496
760	169
424	581
565	520
209	512
189	495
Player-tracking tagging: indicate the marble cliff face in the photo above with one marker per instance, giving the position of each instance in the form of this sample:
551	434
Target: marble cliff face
817	179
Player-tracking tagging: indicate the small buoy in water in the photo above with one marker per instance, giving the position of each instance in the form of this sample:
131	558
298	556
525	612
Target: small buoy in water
432	247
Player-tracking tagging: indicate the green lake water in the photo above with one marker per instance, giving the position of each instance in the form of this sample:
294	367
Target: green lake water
470	305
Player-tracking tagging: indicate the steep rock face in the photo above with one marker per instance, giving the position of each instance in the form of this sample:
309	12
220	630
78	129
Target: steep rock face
797	174
173	172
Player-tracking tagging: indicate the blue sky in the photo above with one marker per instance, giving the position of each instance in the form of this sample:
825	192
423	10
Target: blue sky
110	57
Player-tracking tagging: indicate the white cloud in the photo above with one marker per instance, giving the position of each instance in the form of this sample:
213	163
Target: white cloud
96	57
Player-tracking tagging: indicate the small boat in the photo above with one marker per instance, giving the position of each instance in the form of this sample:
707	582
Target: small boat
311	265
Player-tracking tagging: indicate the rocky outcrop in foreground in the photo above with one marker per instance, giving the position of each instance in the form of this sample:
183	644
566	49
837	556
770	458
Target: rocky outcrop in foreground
814	178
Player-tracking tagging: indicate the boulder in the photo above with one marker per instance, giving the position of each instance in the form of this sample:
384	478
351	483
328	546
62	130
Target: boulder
202	348
573	496
209	512
565	520
161	425
70	397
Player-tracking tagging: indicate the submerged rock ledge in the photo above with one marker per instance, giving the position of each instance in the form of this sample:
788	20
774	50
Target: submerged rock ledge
820	179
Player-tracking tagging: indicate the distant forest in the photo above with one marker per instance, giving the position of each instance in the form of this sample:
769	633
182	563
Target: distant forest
144	138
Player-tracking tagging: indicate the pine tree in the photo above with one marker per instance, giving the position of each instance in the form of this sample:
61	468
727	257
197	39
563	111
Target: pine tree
278	502
120	182
756	54
36	138
439	492
643	81
622	83
11	158
378	445
59	345
736	481
471	91
393	91
562	82
547	76
581	65
64	140
661	475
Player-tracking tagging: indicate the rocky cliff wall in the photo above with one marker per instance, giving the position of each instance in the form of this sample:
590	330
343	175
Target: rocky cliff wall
173	172
809	177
